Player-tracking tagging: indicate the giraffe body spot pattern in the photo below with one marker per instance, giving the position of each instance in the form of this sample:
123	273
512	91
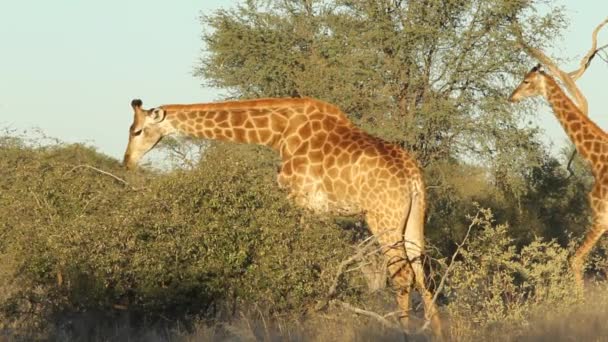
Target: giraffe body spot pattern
328	165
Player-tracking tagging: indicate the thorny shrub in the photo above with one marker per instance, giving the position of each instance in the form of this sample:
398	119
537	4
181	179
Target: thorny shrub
494	287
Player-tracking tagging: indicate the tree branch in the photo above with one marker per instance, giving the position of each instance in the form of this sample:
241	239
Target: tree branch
451	265
367	313
568	78
102	172
363	246
584	64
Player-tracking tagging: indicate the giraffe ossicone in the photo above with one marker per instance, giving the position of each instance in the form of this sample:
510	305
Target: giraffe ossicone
327	165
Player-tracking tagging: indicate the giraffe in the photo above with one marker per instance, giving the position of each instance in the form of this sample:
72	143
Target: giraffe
328	165
591	143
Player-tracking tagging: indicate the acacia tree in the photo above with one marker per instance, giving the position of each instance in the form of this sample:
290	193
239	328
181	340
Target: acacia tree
431	75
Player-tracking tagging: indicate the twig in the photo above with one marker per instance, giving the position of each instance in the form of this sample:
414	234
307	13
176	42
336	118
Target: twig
102	172
584	64
569	166
48	207
367	313
451	265
266	331
357	267
361	249
427	322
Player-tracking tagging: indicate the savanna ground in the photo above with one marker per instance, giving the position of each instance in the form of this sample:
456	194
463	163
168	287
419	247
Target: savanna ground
210	249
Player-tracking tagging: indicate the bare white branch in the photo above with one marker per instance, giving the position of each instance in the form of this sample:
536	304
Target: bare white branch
584	64
367	313
102	172
568	78
459	246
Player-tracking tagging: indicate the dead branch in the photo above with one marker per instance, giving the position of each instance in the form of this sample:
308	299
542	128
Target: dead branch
102	172
605	56
584	64
361	249
48	207
459	246
572	88
367	313
568	78
569	166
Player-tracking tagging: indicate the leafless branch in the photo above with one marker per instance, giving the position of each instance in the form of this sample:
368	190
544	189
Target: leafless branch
367	313
48	208
568	78
361	249
102	172
604	58
459	246
569	166
572	88
584	64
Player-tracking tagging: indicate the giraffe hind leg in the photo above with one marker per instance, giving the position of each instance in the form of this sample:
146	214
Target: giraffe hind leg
401	276
399	270
414	247
406	272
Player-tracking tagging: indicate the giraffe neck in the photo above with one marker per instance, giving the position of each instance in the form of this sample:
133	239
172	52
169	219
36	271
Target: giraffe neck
583	132
256	122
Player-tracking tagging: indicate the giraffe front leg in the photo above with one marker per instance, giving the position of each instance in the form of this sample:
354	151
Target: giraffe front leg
578	259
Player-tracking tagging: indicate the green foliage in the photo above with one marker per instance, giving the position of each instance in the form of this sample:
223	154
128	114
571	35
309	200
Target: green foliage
431	75
497	287
92	255
553	204
178	243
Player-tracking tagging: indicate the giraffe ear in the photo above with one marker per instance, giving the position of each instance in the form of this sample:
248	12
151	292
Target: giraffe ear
156	114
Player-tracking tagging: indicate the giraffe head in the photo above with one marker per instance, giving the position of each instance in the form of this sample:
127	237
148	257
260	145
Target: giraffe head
148	127
532	85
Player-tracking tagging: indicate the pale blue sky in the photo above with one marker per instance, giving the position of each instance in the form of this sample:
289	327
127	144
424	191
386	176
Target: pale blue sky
72	67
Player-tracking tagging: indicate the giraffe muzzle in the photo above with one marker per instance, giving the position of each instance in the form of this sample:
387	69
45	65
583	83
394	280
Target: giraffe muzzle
514	98
128	163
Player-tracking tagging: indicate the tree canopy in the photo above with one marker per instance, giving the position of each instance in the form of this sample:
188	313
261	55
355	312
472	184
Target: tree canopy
432	75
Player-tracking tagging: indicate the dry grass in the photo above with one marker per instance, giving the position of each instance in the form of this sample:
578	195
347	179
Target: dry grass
582	322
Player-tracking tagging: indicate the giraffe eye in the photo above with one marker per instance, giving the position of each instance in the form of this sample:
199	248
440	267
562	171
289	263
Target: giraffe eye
526	82
136	133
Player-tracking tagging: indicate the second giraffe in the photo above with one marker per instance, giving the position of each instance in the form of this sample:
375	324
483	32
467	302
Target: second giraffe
591	143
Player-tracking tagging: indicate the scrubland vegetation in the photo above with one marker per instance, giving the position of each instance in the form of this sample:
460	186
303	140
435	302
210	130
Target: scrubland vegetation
211	249
219	253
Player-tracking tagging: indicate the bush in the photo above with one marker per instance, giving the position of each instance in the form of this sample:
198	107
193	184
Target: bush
88	248
201	243
496	288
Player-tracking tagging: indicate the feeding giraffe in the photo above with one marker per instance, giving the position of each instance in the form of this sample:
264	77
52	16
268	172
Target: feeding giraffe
327	165
591	143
